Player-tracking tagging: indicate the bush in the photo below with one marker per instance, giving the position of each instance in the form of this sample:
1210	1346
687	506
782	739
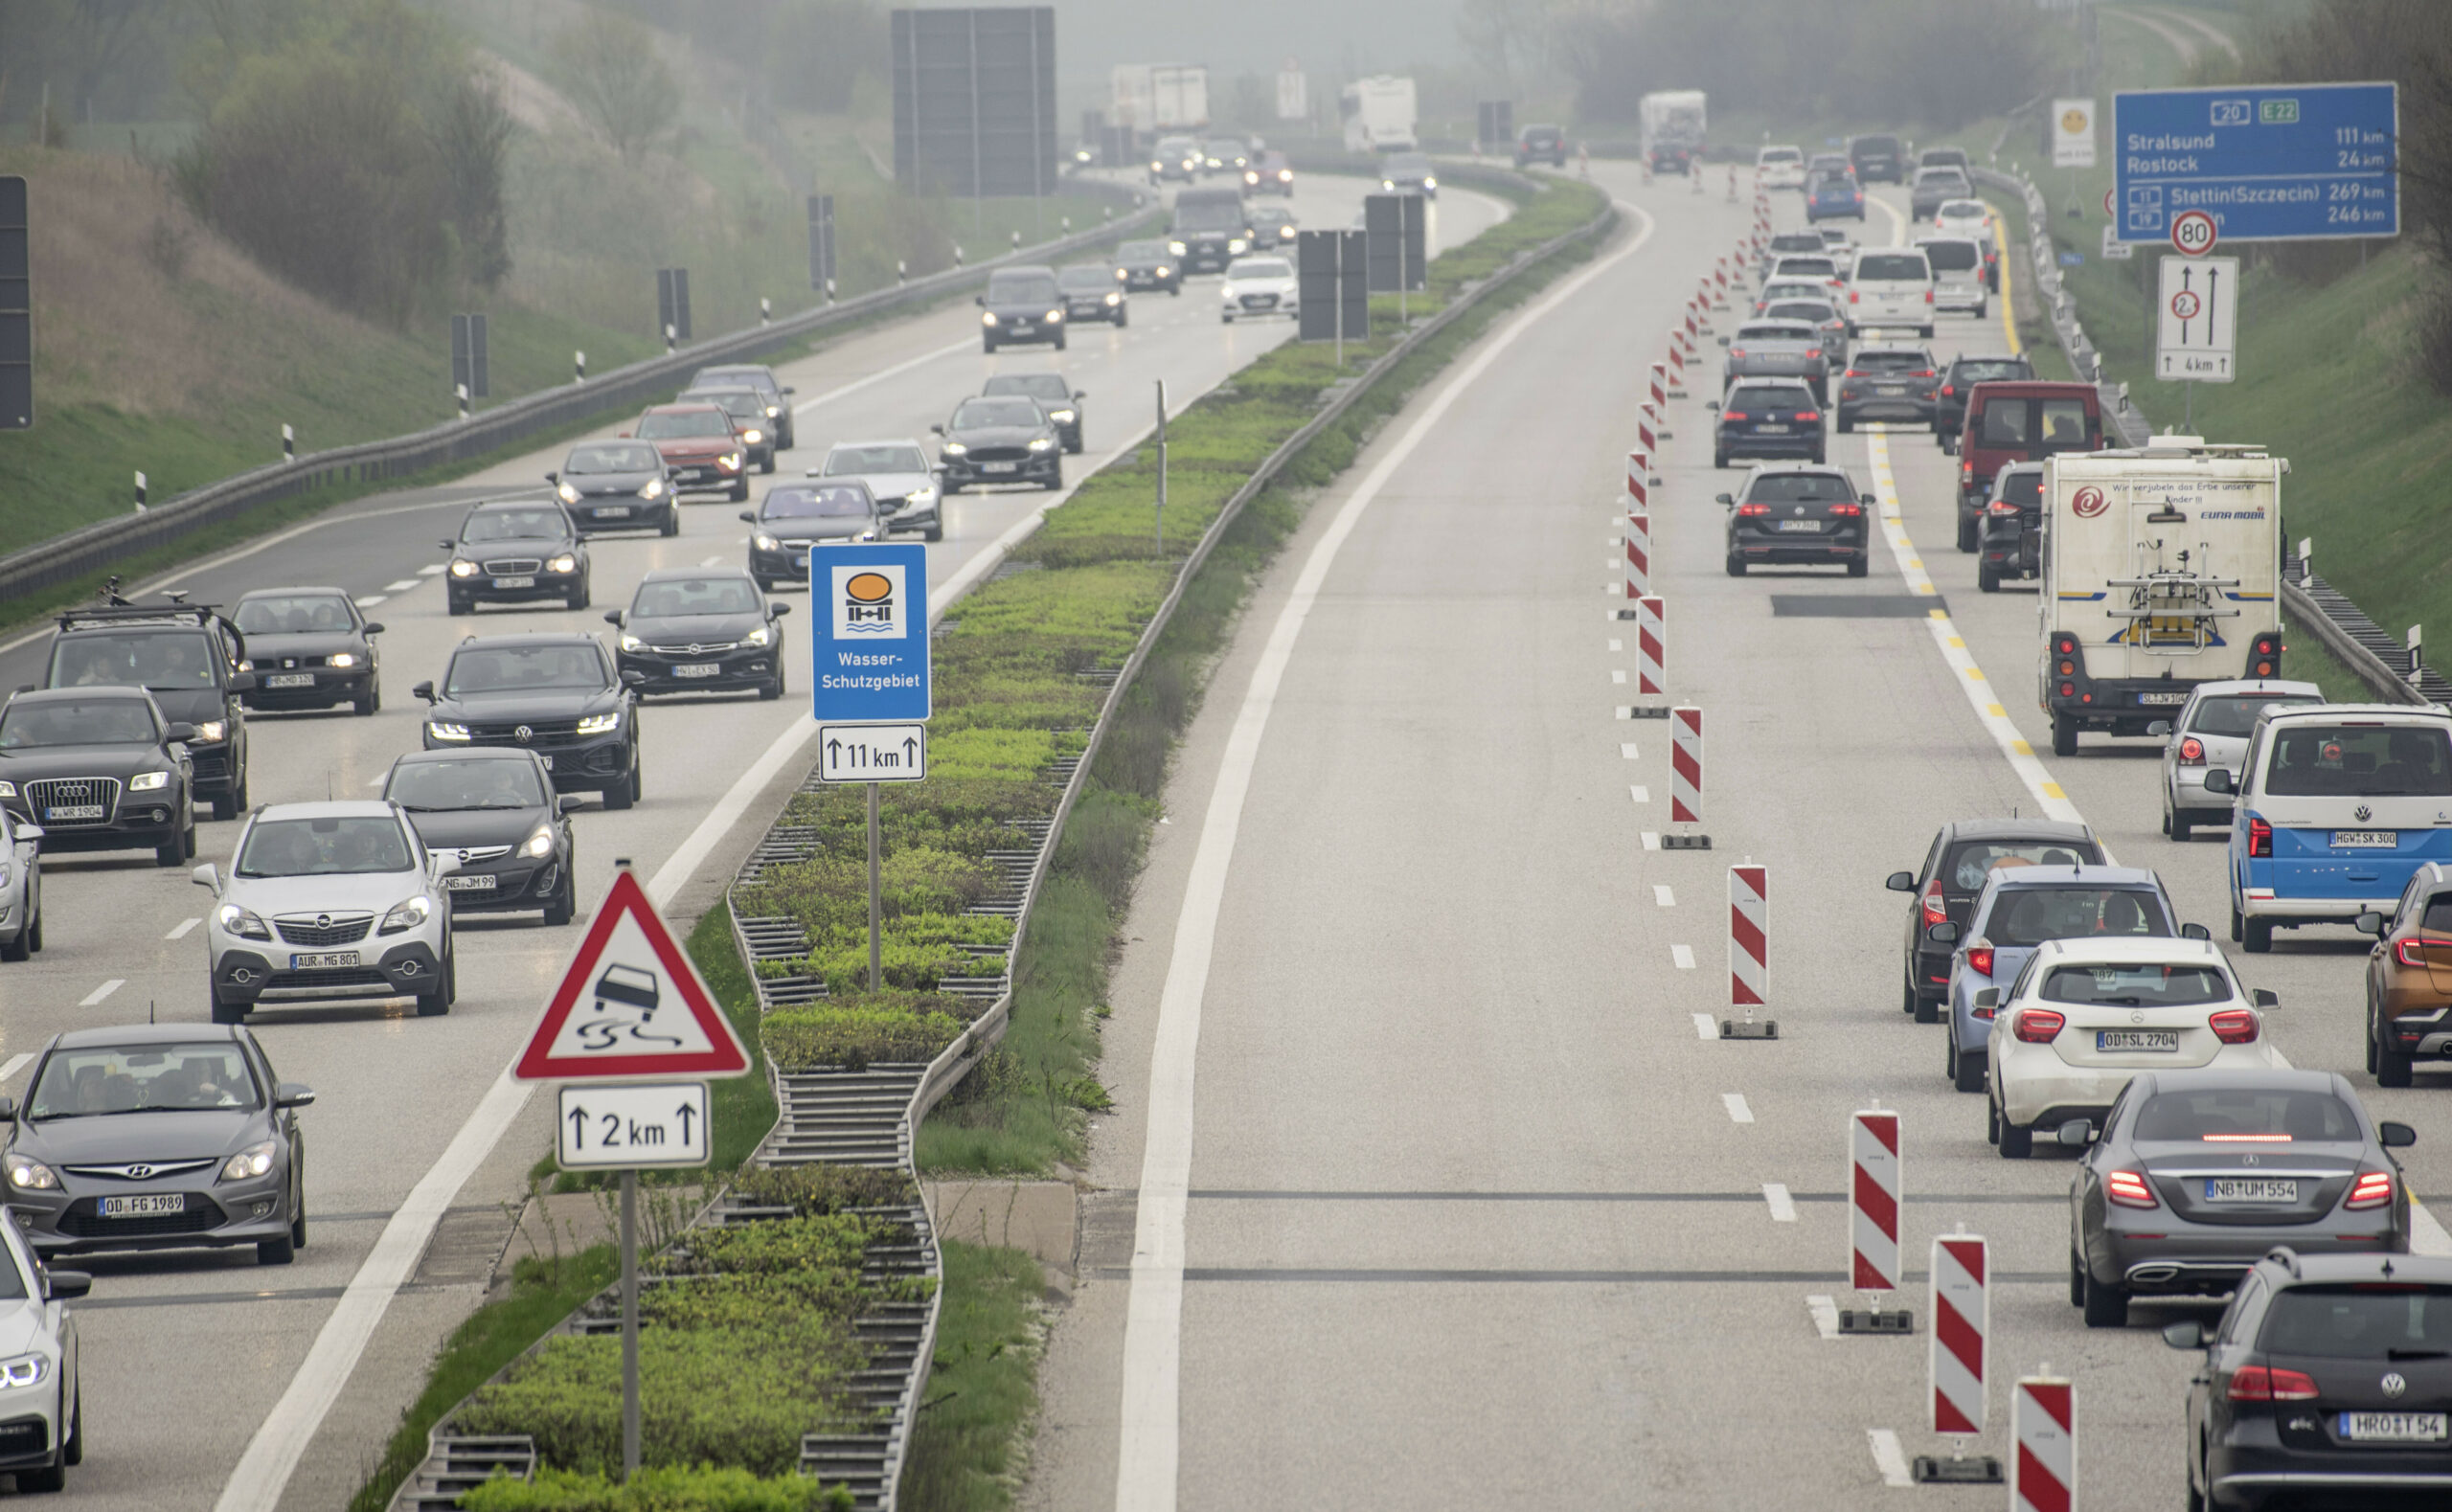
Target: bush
851	1037
807	1189
670	1488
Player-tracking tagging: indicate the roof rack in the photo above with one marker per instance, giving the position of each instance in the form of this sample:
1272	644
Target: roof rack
125	613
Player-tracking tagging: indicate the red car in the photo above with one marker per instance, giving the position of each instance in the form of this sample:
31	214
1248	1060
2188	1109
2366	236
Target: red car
702	447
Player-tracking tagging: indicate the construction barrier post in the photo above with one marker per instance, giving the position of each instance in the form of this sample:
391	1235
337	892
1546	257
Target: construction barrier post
2043	1431
1958	1359
1749	953
1686	779
1873	1221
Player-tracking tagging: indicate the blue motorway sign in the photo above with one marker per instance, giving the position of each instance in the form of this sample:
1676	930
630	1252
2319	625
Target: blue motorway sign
2269	163
869	632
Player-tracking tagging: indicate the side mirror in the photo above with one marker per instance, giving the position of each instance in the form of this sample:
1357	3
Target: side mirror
1723	341
179	733
634	678
2264	998
553	477
424	691
936	430
446	544
748	517
778	606
2218	781
293	1095
2075	1134
568	803
2187	1335
612	616
371	627
623	434
59	1286
205	876
788	389
1944	933
1987	998
1896	881
1713	405
2160	727
2370	923
8	1110
28	834
1869	501
1080	393
2195	931
1722	498
242	682
2396	1136
979	300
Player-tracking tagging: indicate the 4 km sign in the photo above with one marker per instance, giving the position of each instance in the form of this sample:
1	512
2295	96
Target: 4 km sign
2197	320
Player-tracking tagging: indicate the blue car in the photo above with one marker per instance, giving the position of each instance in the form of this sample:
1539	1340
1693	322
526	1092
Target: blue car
2022	906
1834	197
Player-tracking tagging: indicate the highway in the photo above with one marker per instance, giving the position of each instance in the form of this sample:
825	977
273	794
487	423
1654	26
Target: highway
217	1384
1430	1183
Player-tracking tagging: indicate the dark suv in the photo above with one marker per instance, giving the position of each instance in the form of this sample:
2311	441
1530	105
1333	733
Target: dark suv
1963	375
191	660
756	376
516	553
1021	304
1798	515
1887	383
1777	417
98	769
1943	890
1538	144
555	693
1877	159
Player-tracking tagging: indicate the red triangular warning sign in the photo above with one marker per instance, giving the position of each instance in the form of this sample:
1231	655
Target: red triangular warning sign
630	1005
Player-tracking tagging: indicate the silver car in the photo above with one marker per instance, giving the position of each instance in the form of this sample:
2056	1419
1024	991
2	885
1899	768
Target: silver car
2211	732
42	1422
898	477
20	887
1958	272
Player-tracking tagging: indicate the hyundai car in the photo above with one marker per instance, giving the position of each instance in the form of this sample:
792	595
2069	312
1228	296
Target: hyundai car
700	630
98	768
309	648
494	813
617	485
516	553
555	692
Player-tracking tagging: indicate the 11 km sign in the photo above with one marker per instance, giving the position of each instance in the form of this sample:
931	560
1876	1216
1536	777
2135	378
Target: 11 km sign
2197	320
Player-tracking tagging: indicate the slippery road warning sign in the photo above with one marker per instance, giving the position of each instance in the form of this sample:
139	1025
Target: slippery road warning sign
630	1005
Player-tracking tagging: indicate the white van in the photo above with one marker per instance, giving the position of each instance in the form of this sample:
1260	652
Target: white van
1958	272
1891	288
1779	167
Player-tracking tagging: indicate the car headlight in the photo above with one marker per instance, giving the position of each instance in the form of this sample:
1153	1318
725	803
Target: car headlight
566	493
7	875
539	844
1176	247
8	789
631	643
1387	183
601	724
1251	178
1061	417
1286	175
956	449
564	563
988	317
763	542
1040	443
753	436
446	730
761	636
149	781
730	460
245	923
255	1161
652	488
342	659
1115	299
1239	245
1164	271
1155	166
24	1370
461	567
1054	316
1430	183
246	664
211	731
28	1175
774	412
919	496
411	914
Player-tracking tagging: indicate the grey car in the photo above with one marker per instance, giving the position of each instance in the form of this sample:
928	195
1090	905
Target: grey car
1777	348
158	1136
1825	317
1933	187
2211	732
793	517
616	485
1887	382
20	887
1055	394
897	476
2198	1174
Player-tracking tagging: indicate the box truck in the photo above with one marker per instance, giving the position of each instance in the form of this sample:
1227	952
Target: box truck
1378	115
1672	128
1158	98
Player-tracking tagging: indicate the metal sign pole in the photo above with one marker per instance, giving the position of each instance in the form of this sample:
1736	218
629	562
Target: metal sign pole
631	1322
876	973
1162	469
1340	302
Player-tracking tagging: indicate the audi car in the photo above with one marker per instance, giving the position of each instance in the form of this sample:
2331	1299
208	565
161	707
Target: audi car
897	476
1787	514
309	648
700	629
495	814
516	553
999	439
555	692
98	768
793	517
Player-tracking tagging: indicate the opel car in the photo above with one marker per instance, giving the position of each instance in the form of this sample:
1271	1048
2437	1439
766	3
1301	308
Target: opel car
98	768
516	553
493	812
555	694
701	630
309	648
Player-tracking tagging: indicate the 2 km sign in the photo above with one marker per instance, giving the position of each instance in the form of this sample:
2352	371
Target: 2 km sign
2196	321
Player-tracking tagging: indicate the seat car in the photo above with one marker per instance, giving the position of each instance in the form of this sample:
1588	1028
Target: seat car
699	630
2409	978
1791	514
1004	437
2011	420
494	813
2328	1375
794	516
1258	287
2021	907
1409	174
1935	186
42	1407
2198	1174
897	475
1960	378
617	485
188	657
1887	382
1775	417
1093	292
325	902
1056	396
1777	348
309	648
1956	868
759	377
1540	145
555	692
1891	288
2337	806
1269	173
2211	733
2084	1015
1149	265
20	886
1780	165
159	1137
1958	272
2008	535
1021	306
702	446
1175	157
517	553
98	768
1828	325
1877	158
747	408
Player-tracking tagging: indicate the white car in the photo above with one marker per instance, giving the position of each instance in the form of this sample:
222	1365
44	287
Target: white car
2209	732
40	1406
897	476
2088	1013
328	901
1779	167
1891	288
1958	272
1963	217
1257	286
20	887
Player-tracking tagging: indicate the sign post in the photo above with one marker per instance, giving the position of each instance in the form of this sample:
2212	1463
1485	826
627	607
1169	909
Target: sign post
2196	308
2264	163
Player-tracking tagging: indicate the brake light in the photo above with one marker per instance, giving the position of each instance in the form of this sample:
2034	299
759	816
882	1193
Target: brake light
1965	469
1948	390
1924	372
1734	414
1810	415
1979	959
1853	372
2234	1026
2002	506
2192	752
1929	295
1851	296
2037	1026
1751	509
1935	913
1736	352
2407	952
2373	1189
2268	652
1843	511
2257	1383
2259	838
2129	1190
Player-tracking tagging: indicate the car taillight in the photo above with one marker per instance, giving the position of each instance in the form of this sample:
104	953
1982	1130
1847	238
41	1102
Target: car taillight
1979	959
1751	510
1966	472
1851	296
2409	951
2234	1026
1734	414
1736	352
1935	912
1948	390
2129	1190
2002	506
2373	1189
1853	372
1929	295
2192	752
2259	838
1810	414
2257	1383
1922	373
1842	511
2037	1026
2268	654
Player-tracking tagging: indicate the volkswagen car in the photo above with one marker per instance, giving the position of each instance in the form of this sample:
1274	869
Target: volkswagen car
999	439
1788	514
1768	418
700	629
793	517
617	485
555	694
309	648
98	768
516	553
495	814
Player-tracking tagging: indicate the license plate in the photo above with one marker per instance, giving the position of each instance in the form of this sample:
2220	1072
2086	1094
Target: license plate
2231	1189
1021	327
73	811
150	1207
322	959
2367	839
1770	430
478	881
612	511
2162	700
696	474
1802	526
2394	1427
1890	390
697	669
514	582
2112	1039
290	680
999	466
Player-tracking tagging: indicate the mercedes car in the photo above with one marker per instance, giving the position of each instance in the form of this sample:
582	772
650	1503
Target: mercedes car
98	768
897	474
700	630
516	553
42	1407
494	813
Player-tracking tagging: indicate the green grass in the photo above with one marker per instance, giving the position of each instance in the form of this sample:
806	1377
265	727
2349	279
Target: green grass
2308	659
968	1448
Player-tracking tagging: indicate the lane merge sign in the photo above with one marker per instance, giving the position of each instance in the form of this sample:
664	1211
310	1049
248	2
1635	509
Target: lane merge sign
631	1006
2267	162
869	633
2196	321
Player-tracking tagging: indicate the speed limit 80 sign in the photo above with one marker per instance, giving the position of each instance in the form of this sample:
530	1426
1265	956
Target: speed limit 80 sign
2193	233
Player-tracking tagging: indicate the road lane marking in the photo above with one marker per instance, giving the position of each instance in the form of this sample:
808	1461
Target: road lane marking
181	931
1651	840
1618	675
1889	1458
1617	645
1683	955
1625	711
883	374
1662	896
14	1064
1705	1028
1784	1209
1641	794
370	601
712	561
430	570
1626	749
94	997
1737	1110
403	586
1826	1316
1149	1447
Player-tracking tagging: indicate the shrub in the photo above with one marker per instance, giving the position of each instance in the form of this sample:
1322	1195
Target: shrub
824	1188
667	1488
853	1037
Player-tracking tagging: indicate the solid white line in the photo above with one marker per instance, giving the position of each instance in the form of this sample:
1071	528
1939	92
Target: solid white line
14	1064
1150	1416
95	997
1889	1458
1784	1209
181	931
1705	1028
1641	793
1618	674
1683	955
1626	749
970	343
370	601
1737	1110
403	586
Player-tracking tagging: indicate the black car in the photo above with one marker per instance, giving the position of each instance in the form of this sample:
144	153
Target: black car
617	485
1149	265
309	648
2198	1174
747	408
1093	291
2327	1382
98	768
1889	382
1788	514
516	553
553	692
190	659
1877	158
1175	157
701	629
756	376
795	516
1270	173
1409	174
1062	401
1778	349
1540	143
496	813
1003	438
1943	890
1779	418
2011	538
1225	155
1211	228
1273	226
1021	304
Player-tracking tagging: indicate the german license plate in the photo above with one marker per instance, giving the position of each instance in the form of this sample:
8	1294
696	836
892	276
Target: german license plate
2117	1040
1890	390
155	1205
1022	327
476	882
1802	526
2367	839
1770	430
290	680
2235	1189
322	959
73	811
2162	700
2394	1427
697	669
515	582
612	511
999	466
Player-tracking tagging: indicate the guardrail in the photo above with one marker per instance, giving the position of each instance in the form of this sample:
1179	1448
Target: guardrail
105	542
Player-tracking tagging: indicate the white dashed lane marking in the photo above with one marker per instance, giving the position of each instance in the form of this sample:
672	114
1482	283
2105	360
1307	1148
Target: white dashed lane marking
431	570
1683	955
1784	1209
1626	749
1826	1316
1641	794
94	997
1737	1110
1705	1028
181	931
1618	675
403	586
1662	895
1889	1458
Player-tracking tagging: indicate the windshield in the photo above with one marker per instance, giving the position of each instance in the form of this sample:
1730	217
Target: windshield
1953	257
1806	267
2031	915
738	403
606	458
2024	487
1086	280
837	501
978	413
2235	714
2137	987
1035	385
1775	333
757	378
2246	1115
1406	165
1801	488
293	614
684	425
1868	360
520	669
1796	241
2383	1321
1261	268
134	658
1876	145
314	847
1971	370
2359	761
1203	217
515	525
471	781
851	461
1964	210
1908	266
92	1080
1814	310
1791	288
1765	397
77	722
666	598
1142	252
1021	289
1970	866
1781	156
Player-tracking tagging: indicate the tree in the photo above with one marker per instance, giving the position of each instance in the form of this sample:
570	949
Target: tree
612	71
471	136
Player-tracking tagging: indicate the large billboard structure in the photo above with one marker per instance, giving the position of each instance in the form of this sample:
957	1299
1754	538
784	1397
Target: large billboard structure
975	101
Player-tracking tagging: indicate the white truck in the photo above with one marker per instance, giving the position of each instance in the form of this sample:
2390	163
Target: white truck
1379	114
1156	98
2162	568
1672	128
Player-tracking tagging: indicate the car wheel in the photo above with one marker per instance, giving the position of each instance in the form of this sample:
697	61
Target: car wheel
22	947
1928	1012
1968	1073
740	490
228	1012
1861	566
2179	827
768	465
1073	447
33	930
1720	459
1054	481
2392	1067
1907	995
988	347
765	585
2076	1280
225	806
1968	529
281	1252
1224	319
1123	319
2106	1306
2257	936
2374	1035
672	524
2236	922
1736	566
934	532
1925	332
2064	734
1986	580
577	601
72	1452
298	1216
1845	426
2016	1143
454	603
45	1480
171	851
1060	343
564	906
1991	1122
435	1003
371	701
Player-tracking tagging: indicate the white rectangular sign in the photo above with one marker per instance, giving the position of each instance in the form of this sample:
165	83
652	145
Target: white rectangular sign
872	753
1293	95
2072	133
2196	324
631	1125
2115	250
